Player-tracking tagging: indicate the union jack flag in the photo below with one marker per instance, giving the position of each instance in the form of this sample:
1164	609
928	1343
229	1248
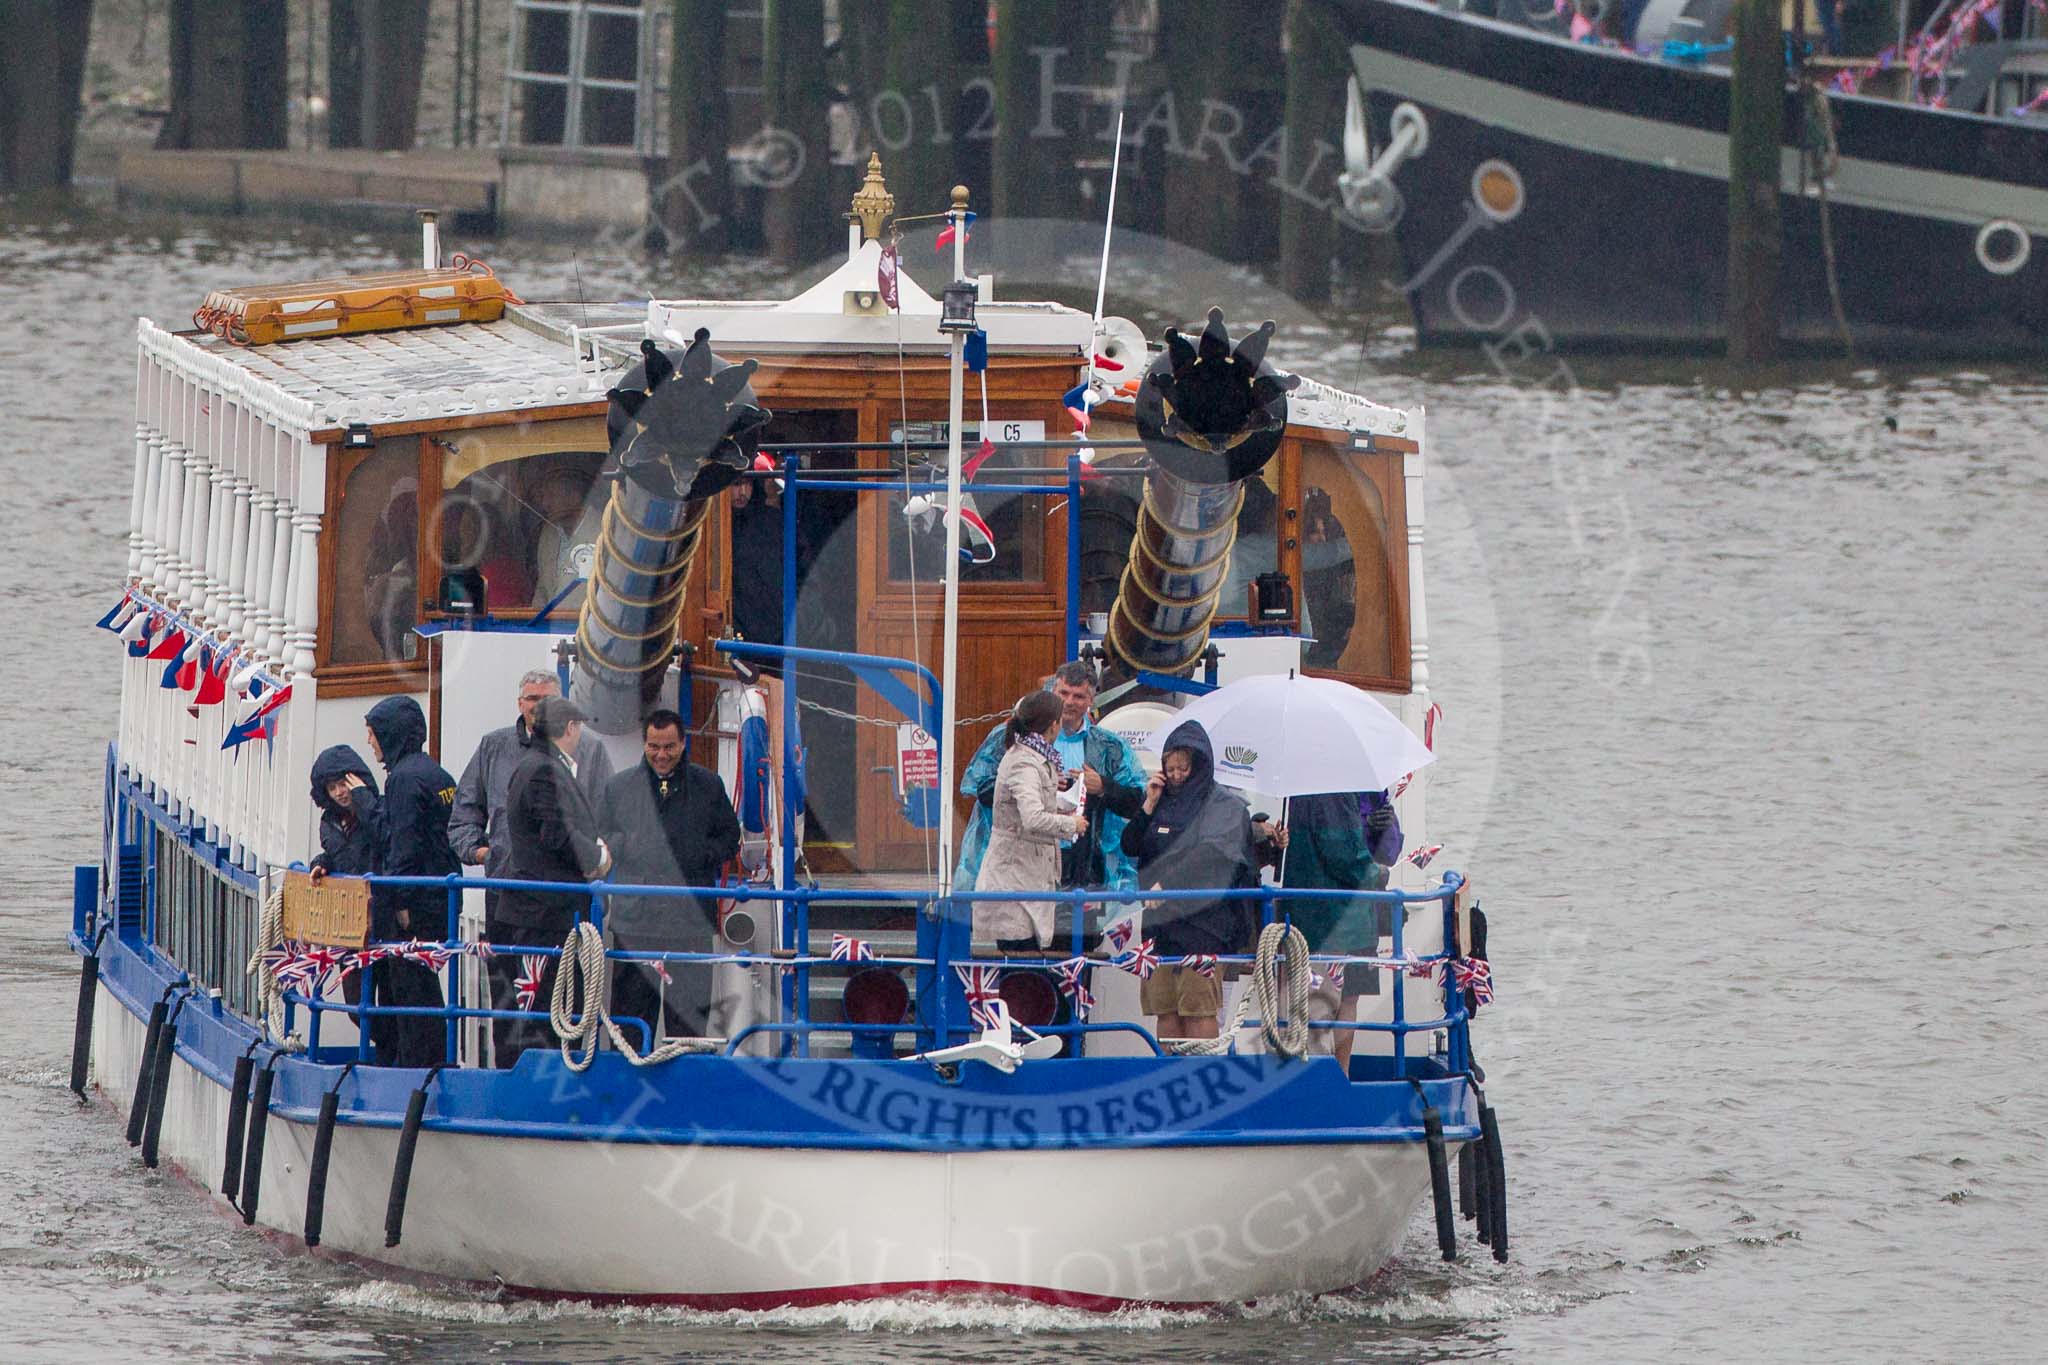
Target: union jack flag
1430	717
287	963
1118	935
846	948
1421	857
1400	787
434	955
532	967
1205	963
1474	974
1424	970
1073	987
660	966
1140	961
981	984
319	960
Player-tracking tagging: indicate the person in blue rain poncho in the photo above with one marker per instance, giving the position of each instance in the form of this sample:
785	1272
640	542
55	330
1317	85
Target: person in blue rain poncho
1106	776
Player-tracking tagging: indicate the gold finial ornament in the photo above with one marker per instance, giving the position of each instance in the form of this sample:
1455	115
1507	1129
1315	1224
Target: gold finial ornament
873	205
959	199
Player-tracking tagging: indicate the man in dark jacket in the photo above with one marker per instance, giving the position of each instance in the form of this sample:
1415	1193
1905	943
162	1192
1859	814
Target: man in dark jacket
554	835
477	829
418	795
672	825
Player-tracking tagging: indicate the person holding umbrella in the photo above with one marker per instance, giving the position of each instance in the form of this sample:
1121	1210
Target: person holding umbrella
1191	835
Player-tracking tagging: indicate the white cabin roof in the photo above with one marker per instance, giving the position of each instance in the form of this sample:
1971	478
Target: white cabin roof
404	376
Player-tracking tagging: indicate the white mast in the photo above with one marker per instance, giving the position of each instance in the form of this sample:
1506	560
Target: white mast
950	659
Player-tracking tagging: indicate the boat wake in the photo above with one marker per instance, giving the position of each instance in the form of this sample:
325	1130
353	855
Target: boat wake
912	1314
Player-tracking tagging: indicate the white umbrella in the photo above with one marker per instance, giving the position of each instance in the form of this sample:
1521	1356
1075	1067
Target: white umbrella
1297	736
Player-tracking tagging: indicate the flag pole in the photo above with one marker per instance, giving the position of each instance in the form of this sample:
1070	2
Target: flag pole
1116	158
949	702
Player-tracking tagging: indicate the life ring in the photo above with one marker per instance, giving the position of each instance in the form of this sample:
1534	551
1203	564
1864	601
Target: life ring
2014	261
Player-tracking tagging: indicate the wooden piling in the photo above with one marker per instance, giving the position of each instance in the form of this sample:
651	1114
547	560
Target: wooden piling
694	199
914	117
1317	66
228	61
1756	114
1033	172
800	225
376	55
39	84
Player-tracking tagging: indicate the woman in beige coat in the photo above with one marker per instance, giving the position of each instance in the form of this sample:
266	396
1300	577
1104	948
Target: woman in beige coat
1024	842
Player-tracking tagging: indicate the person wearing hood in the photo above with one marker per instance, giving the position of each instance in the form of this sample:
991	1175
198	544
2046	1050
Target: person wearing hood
418	796
477	829
670	824
1192	834
553	829
351	835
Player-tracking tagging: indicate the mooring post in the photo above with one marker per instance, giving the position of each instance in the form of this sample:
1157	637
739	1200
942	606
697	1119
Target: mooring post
1318	60
1756	115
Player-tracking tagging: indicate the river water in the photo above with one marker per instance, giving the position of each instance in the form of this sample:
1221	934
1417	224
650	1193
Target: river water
1745	732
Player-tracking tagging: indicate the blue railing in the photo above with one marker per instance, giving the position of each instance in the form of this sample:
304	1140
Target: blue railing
940	1014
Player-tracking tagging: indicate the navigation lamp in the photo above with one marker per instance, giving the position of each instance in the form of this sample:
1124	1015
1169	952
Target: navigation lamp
956	306
358	436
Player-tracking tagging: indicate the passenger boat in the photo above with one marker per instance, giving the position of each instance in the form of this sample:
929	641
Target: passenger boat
426	488
1546	193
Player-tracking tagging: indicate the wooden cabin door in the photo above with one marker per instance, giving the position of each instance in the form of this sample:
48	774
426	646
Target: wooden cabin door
1012	609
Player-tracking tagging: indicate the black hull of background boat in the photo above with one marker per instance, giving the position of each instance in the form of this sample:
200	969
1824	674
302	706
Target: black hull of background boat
1621	240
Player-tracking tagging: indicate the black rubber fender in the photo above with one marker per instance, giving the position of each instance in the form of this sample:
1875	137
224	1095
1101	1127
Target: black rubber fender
159	1087
81	1027
1468	1189
401	1169
1440	1183
1496	1181
252	1147
138	1108
238	1116
1482	1188
316	1174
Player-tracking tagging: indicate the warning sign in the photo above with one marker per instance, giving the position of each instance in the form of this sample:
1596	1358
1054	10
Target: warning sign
917	758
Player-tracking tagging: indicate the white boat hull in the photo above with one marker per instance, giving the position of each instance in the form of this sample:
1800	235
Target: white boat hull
763	1226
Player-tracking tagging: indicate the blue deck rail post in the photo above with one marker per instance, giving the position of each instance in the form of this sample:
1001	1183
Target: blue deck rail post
1073	561
1400	1017
451	972
791	464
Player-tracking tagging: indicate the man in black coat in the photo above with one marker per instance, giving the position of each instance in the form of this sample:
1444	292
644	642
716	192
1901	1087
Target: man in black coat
555	837
418	796
672	825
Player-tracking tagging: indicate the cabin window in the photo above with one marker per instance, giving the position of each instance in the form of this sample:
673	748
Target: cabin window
520	514
376	569
1014	551
1346	589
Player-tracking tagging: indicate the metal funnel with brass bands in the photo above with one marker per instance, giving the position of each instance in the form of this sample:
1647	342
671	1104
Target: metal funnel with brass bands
682	429
1211	415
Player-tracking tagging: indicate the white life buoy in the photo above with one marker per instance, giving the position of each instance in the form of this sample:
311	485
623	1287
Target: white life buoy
2015	258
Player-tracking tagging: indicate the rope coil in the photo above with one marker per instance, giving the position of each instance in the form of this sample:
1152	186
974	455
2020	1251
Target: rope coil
1275	997
578	1008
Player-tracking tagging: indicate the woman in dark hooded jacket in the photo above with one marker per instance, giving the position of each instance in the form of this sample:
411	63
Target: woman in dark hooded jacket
351	841
350	813
1192	835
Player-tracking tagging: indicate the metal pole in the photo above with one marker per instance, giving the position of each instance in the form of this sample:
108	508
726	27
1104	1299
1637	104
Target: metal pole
790	464
949	688
1073	561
